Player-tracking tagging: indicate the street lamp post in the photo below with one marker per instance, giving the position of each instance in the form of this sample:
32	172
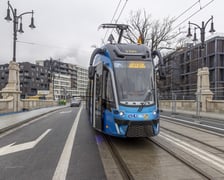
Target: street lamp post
199	92
16	19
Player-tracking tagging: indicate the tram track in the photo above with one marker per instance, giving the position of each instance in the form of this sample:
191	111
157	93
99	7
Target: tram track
201	149
214	126
172	127
184	158
180	151
193	139
122	166
181	158
149	158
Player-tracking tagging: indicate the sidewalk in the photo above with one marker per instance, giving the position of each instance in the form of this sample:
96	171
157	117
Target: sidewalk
209	115
13	120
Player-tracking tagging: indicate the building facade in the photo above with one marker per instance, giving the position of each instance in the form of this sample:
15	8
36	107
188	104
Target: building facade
78	77
32	78
68	80
182	67
61	86
82	81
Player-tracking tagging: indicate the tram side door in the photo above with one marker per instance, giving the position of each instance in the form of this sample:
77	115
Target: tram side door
98	84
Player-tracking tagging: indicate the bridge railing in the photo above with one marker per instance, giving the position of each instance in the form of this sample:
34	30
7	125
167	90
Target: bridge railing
194	101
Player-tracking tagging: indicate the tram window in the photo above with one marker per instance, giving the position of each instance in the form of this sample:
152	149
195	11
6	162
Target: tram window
109	92
107	87
104	85
98	86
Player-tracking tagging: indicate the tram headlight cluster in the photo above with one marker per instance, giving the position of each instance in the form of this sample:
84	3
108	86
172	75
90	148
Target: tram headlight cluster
117	112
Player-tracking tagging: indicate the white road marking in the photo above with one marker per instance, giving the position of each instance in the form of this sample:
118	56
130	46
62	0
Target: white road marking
62	167
11	148
206	156
65	112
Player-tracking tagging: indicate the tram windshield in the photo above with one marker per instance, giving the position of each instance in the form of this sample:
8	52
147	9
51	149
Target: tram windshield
135	82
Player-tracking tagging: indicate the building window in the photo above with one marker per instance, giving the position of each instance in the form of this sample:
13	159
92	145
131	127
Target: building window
221	74
211	61
221	62
211	47
220	45
212	75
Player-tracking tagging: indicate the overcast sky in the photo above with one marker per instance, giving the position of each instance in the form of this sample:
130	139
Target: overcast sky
67	29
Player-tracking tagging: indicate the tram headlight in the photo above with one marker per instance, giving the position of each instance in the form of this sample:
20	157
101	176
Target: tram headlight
121	113
154	112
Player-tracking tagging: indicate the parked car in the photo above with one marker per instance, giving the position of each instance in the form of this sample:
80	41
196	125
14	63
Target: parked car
75	103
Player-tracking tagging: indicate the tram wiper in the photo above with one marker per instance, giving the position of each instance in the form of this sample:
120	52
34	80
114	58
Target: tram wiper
148	94
141	106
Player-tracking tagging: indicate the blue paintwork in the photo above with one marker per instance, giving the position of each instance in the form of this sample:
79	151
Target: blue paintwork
105	59
130	113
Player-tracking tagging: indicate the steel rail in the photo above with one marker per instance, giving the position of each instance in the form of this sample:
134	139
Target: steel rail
180	158
194	139
124	170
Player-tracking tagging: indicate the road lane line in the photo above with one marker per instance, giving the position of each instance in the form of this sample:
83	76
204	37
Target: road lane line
65	112
63	163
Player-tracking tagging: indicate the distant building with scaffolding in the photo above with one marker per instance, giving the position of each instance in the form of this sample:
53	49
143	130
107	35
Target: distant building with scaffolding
182	67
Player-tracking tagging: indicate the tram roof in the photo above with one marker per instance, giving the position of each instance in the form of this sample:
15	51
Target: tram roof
122	51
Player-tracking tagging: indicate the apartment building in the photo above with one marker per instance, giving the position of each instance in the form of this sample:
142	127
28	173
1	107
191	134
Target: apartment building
68	80
82	81
78	76
32	78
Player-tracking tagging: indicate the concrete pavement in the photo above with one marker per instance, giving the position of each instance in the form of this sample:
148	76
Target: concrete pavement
9	121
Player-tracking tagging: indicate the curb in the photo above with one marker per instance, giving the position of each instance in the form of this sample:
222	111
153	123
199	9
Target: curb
27	120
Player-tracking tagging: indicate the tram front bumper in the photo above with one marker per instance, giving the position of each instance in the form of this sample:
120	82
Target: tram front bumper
138	128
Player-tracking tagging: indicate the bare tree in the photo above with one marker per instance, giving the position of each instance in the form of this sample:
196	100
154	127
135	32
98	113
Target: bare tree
140	26
154	33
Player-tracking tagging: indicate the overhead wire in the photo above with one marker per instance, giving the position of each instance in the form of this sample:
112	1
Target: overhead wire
201	8
188	9
44	45
121	11
184	12
112	19
115	12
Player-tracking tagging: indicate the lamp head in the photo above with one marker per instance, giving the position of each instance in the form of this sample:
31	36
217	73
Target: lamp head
20	28
32	26
8	17
212	30
189	31
195	36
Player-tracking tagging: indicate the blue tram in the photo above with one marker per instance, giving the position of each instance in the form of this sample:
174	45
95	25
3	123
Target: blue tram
122	98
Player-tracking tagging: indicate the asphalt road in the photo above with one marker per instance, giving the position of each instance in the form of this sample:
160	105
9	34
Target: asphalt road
60	145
